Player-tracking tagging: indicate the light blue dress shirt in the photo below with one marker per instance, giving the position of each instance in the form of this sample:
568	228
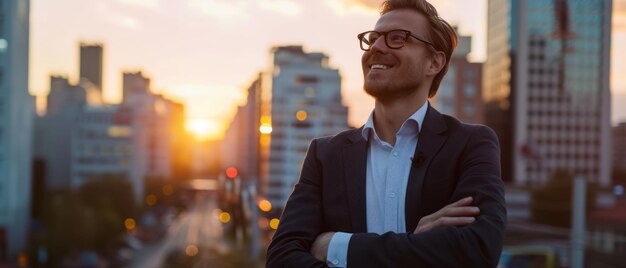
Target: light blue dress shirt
388	169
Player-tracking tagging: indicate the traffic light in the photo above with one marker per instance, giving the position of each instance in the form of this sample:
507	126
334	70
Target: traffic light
231	173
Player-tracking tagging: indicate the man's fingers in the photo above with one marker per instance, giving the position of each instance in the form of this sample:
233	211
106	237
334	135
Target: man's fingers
452	221
460	211
444	221
456	214
462	202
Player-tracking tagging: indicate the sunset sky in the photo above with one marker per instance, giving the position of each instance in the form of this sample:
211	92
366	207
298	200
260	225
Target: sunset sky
204	53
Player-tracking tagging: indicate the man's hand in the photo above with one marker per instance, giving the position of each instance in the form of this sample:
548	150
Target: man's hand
320	246
458	213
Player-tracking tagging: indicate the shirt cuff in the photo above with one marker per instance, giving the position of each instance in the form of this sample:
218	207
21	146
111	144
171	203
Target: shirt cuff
337	255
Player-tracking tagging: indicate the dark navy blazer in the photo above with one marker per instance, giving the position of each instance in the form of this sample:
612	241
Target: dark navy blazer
453	160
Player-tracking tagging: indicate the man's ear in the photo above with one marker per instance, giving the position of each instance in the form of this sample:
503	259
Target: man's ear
437	61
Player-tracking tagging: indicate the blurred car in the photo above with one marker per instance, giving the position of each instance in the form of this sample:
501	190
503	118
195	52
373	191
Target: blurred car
530	256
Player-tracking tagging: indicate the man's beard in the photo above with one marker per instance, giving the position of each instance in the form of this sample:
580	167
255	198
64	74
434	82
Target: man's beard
391	91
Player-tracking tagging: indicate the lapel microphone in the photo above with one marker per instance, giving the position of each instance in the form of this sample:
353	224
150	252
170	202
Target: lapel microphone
419	160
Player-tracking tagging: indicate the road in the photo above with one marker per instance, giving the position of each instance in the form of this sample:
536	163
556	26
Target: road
196	237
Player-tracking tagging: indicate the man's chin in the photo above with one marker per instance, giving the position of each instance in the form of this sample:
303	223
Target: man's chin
375	92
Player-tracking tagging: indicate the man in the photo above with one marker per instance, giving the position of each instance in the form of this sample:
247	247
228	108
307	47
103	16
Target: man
384	196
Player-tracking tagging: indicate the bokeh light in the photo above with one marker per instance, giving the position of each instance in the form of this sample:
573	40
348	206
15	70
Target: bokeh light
168	190
191	250
265	205
264	223
301	115
231	172
225	217
151	200
130	224
274	223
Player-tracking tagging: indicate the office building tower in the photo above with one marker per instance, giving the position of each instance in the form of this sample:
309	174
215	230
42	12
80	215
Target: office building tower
459	93
240	146
16	116
53	131
134	84
546	87
296	100
102	145
305	103
91	64
161	149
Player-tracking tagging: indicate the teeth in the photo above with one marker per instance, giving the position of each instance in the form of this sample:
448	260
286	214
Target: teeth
379	66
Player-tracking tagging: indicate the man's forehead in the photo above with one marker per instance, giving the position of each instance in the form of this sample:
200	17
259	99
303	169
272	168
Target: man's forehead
406	19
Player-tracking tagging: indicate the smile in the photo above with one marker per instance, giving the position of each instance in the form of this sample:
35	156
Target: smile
379	66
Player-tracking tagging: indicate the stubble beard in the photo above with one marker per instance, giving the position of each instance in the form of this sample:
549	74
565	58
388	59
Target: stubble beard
390	91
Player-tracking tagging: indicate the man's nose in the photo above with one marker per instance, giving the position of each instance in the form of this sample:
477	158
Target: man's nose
379	45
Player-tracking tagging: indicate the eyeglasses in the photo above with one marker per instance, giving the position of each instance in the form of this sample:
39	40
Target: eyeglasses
394	39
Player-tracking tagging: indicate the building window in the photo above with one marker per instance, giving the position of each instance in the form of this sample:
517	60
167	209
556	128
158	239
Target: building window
469	90
3	44
306	80
468	109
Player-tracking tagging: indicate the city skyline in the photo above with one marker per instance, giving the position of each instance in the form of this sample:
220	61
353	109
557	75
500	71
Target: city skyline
181	45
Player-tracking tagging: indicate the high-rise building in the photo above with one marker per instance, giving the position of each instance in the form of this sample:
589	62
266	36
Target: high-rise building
134	84
141	138
53	131
158	130
91	64
241	146
619	147
16	116
102	145
546	87
459	94
296	100
305	103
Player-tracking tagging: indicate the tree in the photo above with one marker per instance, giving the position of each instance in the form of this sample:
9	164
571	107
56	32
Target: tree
89	218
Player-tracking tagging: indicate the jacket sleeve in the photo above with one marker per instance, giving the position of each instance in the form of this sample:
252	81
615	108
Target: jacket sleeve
301	220
475	245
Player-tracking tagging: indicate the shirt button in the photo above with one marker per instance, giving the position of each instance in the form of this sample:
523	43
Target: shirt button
335	262
395	154
392	195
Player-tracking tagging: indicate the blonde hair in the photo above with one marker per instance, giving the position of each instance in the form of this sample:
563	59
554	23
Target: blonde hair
442	35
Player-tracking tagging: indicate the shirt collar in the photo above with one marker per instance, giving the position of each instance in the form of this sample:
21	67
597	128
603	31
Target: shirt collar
417	117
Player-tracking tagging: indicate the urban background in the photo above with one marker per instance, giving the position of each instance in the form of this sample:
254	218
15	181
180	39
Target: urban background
156	133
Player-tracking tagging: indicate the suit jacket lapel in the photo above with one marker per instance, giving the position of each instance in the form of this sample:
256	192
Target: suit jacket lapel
355	166
431	138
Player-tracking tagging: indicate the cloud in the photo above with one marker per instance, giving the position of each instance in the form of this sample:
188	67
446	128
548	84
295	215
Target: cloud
619	6
287	7
222	9
127	22
117	18
343	7
141	3
372	4
619	15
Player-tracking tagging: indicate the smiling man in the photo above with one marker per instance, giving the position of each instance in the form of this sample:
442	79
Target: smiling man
412	187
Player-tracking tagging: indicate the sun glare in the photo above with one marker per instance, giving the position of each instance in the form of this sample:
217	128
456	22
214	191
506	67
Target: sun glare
203	129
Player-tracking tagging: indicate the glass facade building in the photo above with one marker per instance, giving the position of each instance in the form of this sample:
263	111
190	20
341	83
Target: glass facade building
16	116
546	87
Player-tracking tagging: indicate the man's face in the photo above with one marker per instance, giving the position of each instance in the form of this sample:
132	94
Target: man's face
395	73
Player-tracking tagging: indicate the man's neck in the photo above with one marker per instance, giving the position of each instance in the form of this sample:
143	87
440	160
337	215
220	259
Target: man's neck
389	115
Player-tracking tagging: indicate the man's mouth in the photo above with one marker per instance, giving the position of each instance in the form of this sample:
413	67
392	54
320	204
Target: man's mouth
379	67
